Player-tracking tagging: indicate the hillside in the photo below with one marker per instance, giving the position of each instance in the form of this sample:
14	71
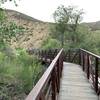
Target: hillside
94	26
36	32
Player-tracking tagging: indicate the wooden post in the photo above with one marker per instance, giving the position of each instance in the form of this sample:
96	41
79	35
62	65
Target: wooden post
96	74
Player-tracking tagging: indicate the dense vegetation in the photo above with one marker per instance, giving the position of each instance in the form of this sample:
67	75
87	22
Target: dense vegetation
68	32
19	71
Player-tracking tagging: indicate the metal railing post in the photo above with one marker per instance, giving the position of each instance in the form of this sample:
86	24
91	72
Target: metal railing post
96	74
83	60
53	84
79	57
88	66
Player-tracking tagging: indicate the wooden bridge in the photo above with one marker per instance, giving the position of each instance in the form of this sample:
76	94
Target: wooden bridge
71	75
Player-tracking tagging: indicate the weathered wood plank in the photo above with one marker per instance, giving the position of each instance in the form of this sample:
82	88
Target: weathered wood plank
74	84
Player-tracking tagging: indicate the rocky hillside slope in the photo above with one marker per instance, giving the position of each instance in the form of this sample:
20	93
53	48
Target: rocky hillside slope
36	32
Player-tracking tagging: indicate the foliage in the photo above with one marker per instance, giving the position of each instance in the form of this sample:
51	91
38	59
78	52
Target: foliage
67	20
2	15
70	33
92	42
19	74
4	1
8	30
50	43
19	71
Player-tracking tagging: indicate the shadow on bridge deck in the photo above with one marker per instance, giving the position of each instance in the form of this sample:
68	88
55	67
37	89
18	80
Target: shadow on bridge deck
75	85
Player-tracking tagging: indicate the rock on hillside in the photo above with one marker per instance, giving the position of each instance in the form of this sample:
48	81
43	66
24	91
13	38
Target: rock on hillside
36	32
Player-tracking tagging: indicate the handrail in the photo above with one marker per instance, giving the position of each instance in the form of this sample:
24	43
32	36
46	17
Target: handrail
88	60
49	78
70	55
90	63
90	53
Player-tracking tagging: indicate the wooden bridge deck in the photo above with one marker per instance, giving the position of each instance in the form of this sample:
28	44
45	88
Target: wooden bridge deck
74	84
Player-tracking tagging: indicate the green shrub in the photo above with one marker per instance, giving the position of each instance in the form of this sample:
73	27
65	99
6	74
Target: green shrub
21	73
51	43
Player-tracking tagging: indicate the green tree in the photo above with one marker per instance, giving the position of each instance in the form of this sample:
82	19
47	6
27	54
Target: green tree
7	29
4	1
67	20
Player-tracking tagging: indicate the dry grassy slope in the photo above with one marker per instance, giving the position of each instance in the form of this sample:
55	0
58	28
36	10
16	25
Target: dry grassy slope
36	33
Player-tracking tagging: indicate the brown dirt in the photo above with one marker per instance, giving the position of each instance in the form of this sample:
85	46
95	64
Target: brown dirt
36	32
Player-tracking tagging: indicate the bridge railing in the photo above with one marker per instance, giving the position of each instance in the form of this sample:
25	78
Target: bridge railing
70	55
91	65
49	84
44	55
